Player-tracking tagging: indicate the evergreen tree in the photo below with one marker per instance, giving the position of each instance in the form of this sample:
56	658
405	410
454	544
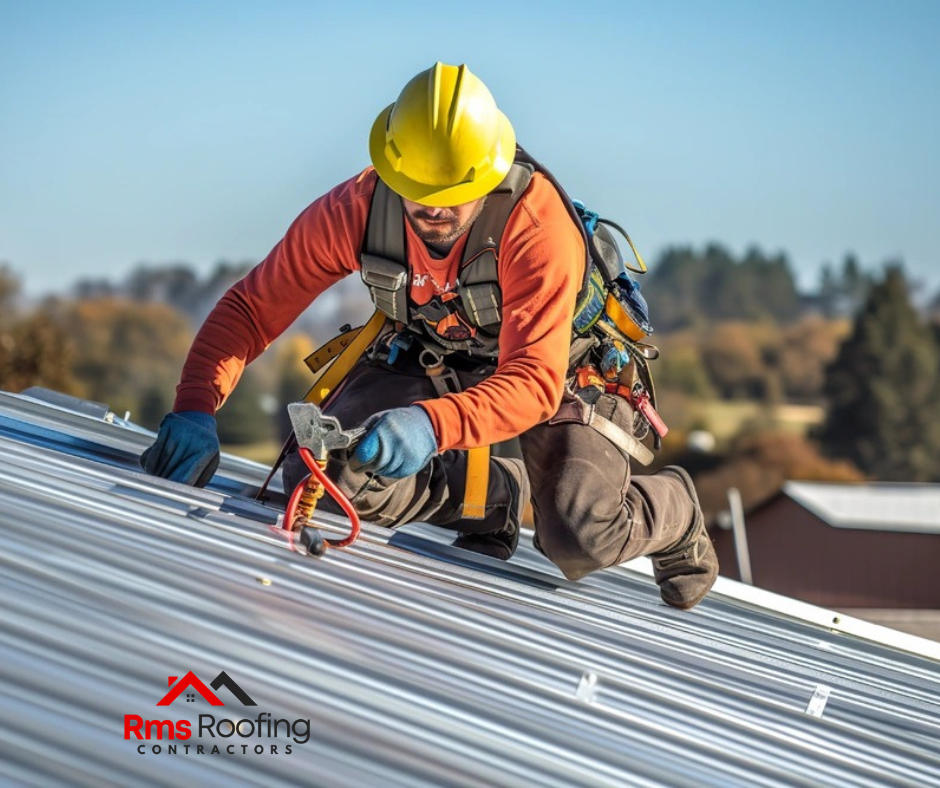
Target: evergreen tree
828	292
689	289
855	284
774	286
933	310
9	294
884	389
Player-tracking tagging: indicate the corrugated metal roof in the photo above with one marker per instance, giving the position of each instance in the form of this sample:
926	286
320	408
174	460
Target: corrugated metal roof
882	506
415	663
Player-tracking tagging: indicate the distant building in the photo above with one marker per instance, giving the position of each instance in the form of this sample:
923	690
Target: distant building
845	546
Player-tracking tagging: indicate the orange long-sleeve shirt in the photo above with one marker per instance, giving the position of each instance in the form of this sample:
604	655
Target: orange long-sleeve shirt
541	267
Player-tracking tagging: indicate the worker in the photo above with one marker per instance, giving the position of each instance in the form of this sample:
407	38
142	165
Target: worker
477	350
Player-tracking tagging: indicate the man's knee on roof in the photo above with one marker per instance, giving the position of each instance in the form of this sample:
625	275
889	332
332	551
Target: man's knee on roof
579	524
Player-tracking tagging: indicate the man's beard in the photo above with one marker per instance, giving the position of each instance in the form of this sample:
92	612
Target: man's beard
445	234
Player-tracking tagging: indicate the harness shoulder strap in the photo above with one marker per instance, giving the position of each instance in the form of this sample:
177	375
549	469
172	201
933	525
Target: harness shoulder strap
479	287
487	230
383	263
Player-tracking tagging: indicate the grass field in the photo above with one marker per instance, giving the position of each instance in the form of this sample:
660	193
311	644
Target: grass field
725	419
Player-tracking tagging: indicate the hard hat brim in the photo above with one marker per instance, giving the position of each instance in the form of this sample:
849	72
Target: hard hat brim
432	194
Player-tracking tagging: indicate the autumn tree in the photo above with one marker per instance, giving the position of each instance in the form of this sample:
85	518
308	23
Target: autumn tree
293	377
758	464
884	389
127	354
680	367
733	360
807	347
246	416
34	349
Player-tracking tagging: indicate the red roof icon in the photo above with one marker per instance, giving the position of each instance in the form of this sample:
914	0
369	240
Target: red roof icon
189	680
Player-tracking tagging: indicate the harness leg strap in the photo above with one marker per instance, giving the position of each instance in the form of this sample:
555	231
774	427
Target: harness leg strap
478	477
625	442
445	381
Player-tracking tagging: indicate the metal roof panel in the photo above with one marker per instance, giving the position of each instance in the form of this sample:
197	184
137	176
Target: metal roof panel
913	508
415	663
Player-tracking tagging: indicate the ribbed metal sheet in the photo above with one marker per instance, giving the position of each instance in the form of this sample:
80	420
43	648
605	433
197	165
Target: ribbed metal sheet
415	664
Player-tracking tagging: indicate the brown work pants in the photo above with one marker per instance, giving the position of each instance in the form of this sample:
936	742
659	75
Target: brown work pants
589	513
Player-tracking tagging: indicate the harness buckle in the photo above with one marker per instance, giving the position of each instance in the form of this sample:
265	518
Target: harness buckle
443	378
400	342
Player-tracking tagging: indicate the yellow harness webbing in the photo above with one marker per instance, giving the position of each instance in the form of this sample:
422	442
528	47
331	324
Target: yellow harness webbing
478	478
332	362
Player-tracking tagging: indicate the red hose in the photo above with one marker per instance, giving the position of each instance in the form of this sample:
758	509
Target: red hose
337	495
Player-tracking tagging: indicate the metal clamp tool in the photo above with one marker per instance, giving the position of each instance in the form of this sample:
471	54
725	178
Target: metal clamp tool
317	435
320	433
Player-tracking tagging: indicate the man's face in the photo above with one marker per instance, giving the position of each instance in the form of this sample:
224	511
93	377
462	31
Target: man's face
442	225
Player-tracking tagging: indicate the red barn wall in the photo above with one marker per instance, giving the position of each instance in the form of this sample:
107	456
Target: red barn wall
795	553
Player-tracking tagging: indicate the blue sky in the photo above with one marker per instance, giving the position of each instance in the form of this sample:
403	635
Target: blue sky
197	131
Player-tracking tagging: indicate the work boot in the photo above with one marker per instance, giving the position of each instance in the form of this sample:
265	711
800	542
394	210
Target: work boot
686	571
502	542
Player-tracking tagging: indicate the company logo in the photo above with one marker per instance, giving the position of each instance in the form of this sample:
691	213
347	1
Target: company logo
191	680
262	728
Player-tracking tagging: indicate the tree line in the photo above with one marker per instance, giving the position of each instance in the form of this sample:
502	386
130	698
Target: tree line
124	345
730	328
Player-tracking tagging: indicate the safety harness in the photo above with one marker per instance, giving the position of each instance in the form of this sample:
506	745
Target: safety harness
385	269
610	320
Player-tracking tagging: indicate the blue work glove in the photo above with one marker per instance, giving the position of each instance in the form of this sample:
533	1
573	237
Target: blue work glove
397	443
186	449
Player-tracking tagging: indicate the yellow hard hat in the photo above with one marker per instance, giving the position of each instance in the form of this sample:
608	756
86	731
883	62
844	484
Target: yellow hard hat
443	142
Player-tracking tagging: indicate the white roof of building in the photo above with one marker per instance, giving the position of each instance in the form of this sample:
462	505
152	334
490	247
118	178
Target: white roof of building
417	664
877	506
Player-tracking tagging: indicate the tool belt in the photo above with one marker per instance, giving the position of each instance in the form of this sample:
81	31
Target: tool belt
619	368
412	353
